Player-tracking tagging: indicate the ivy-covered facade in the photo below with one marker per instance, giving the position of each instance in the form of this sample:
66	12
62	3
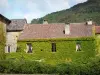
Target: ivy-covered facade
3	22
59	51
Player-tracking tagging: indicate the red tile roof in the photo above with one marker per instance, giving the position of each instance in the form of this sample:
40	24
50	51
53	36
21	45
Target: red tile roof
97	29
81	30
43	31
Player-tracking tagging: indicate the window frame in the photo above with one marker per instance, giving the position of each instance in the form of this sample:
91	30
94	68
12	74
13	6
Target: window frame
29	48
78	46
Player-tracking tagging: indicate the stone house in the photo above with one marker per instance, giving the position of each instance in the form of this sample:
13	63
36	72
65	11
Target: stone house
3	23
97	34
47	42
54	31
67	42
58	42
13	30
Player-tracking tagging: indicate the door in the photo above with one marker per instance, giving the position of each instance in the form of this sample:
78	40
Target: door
8	49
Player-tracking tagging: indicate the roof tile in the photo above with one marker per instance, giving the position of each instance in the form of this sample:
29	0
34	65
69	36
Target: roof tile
16	24
47	31
97	29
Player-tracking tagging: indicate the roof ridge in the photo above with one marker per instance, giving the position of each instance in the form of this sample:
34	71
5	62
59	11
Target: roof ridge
18	19
78	23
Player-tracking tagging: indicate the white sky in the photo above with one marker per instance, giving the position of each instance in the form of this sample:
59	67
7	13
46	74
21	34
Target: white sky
30	9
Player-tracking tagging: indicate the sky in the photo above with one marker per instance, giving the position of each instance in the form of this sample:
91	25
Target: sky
32	9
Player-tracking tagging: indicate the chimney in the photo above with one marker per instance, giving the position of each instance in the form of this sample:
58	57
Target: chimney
45	22
67	29
89	22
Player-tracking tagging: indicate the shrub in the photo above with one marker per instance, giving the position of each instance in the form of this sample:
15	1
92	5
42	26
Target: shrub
48	69
25	67
32	67
94	66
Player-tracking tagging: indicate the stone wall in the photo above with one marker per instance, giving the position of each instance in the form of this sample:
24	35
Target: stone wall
11	40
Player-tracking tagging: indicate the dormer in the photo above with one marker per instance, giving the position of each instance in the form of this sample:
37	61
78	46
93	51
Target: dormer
89	22
45	22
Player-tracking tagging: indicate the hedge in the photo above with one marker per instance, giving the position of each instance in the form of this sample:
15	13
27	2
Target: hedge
25	67
58	39
30	67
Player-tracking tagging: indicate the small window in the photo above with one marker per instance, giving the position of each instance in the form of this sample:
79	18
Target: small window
53	47
63	31
8	49
78	46
29	48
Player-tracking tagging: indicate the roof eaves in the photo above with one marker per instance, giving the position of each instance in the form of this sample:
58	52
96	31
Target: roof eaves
7	21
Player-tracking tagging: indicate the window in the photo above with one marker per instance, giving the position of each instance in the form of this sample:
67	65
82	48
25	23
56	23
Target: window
8	49
29	48
78	46
53	47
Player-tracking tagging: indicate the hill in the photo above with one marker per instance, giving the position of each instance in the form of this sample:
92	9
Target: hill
78	13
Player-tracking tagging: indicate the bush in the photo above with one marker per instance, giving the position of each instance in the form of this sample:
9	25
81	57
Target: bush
94	66
32	67
63	69
25	67
3	66
48	69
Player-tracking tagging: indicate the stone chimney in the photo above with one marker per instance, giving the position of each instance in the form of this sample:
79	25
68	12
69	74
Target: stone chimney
89	22
45	22
67	29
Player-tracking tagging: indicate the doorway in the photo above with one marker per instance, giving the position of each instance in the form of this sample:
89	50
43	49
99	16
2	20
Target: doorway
8	49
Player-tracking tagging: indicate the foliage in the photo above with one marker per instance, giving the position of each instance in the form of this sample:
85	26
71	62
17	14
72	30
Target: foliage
98	44
25	67
31	67
2	42
66	51
78	13
59	39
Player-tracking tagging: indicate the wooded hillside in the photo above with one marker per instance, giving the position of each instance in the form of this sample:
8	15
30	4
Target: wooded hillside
78	13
